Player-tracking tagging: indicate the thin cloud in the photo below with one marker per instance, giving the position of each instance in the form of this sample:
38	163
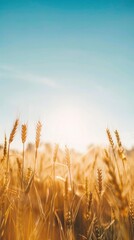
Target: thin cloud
11	72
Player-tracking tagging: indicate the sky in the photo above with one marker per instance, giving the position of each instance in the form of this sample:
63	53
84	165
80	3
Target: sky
69	64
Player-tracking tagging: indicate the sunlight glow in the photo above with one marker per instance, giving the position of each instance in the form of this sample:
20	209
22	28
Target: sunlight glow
68	125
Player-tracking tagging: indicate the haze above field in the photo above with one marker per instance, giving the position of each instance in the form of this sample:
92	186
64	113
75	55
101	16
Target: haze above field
69	64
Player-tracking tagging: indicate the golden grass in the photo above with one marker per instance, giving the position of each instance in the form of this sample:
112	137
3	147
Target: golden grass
55	195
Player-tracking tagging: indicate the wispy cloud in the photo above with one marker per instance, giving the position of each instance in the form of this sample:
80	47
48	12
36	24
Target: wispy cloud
12	72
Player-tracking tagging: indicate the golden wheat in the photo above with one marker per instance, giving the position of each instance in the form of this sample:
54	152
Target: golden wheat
65	201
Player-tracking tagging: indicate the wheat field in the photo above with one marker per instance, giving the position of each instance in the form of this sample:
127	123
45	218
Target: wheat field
50	194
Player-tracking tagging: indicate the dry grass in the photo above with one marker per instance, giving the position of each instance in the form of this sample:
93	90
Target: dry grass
55	195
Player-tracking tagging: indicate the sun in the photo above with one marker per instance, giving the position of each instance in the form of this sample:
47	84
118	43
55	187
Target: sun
68	125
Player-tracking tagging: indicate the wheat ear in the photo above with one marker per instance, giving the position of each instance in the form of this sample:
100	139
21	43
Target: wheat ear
4	149
37	141
11	138
120	149
113	150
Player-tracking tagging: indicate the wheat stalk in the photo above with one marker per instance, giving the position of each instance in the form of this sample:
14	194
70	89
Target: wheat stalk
54	159
86	187
23	139
118	189
68	162
99	178
66	188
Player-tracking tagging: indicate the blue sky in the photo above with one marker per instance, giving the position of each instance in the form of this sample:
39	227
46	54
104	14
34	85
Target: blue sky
70	64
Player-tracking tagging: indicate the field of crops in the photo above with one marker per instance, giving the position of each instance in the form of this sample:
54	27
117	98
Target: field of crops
50	194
